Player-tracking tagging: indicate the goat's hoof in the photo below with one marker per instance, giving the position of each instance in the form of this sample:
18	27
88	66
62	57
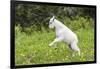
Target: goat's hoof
73	55
50	44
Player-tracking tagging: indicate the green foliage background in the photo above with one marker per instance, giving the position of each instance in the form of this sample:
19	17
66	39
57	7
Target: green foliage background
37	16
32	35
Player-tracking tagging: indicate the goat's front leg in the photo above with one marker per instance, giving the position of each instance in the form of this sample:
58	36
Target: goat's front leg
55	41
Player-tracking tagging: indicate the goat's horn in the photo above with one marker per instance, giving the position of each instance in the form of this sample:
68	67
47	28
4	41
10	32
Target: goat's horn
53	17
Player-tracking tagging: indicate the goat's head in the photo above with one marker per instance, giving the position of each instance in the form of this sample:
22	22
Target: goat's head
51	22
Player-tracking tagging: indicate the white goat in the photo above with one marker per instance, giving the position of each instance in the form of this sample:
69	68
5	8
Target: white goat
63	33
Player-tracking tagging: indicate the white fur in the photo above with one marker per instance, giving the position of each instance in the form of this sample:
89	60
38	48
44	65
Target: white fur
63	33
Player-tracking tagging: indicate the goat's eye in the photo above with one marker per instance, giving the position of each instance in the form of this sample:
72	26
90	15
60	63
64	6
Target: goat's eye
50	22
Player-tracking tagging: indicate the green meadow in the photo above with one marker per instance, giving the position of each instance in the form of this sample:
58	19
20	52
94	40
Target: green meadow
34	48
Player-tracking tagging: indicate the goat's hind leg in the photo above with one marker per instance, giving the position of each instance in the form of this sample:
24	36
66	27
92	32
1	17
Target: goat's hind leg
74	47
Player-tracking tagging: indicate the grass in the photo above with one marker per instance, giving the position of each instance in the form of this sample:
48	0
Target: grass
34	49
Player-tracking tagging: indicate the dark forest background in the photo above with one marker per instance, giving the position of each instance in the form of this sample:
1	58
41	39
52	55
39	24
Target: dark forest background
37	16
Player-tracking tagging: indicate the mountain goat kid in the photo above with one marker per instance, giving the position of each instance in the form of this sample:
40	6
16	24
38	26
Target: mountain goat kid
64	34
